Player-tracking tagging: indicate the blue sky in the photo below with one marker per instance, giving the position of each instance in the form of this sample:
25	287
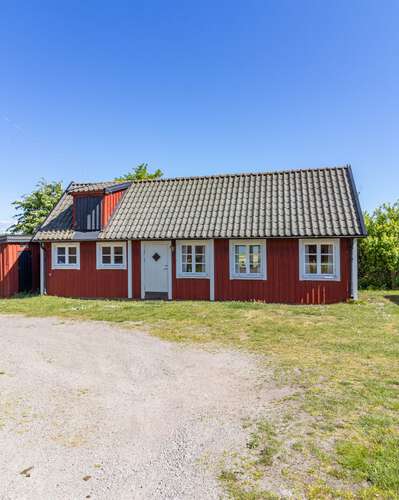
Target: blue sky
90	89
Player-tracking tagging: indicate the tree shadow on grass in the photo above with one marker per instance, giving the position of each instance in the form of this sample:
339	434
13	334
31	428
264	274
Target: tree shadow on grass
393	298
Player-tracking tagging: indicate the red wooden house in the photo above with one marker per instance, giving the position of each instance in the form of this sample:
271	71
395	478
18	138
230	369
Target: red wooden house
276	237
19	265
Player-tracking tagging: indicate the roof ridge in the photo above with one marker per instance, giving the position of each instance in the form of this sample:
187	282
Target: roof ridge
212	176
241	174
74	183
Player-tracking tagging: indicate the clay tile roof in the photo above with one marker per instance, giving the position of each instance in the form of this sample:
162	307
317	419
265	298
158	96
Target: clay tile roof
296	203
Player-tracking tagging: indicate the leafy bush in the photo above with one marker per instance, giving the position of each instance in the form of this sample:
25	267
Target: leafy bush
379	252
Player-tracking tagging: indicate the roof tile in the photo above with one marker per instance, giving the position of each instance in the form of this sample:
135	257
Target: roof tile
314	202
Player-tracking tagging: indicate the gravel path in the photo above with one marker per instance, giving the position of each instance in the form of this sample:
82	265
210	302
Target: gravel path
88	410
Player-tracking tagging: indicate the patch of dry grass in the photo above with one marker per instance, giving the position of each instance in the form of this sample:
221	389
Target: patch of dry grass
343	359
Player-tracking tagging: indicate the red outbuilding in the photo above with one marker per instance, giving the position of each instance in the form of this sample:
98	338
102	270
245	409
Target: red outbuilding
19	265
275	237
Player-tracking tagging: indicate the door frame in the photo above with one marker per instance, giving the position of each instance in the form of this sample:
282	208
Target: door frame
166	243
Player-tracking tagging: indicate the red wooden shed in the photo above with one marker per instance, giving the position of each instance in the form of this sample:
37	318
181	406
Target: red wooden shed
19	265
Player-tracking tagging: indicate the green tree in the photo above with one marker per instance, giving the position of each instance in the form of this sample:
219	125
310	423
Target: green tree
33	208
140	173
379	252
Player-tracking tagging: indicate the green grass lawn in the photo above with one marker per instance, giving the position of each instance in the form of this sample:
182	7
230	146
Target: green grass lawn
342	360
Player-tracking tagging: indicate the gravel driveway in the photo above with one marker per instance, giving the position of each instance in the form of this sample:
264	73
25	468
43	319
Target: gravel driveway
88	410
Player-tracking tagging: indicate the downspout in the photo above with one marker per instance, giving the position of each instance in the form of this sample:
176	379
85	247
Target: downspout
354	270
129	270
42	269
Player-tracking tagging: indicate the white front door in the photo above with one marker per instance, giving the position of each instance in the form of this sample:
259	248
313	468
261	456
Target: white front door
156	271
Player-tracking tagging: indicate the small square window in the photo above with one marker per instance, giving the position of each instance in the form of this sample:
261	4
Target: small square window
319	260
65	256
248	259
110	256
191	260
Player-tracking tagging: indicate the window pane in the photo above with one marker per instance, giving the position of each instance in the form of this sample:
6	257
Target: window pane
240	259
106	255
327	264
187	253
199	259
311	263
199	268
187	268
72	255
187	258
118	255
327	268
327	259
199	249
326	249
311	249
61	258
254	258
200	254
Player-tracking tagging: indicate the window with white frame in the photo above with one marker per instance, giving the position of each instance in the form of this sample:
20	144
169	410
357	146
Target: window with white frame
247	259
65	256
192	259
319	259
111	255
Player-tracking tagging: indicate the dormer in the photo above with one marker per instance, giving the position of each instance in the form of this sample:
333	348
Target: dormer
94	204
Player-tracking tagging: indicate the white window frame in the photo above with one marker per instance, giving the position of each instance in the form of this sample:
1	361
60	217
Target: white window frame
336	275
193	274
263	262
112	245
56	265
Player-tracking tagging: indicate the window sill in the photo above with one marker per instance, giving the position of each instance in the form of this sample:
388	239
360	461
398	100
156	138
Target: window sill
319	277
192	275
105	267
247	277
66	267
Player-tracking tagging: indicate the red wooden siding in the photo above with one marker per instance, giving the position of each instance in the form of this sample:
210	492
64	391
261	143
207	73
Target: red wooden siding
9	276
282	284
188	288
136	269
109	203
8	269
87	281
